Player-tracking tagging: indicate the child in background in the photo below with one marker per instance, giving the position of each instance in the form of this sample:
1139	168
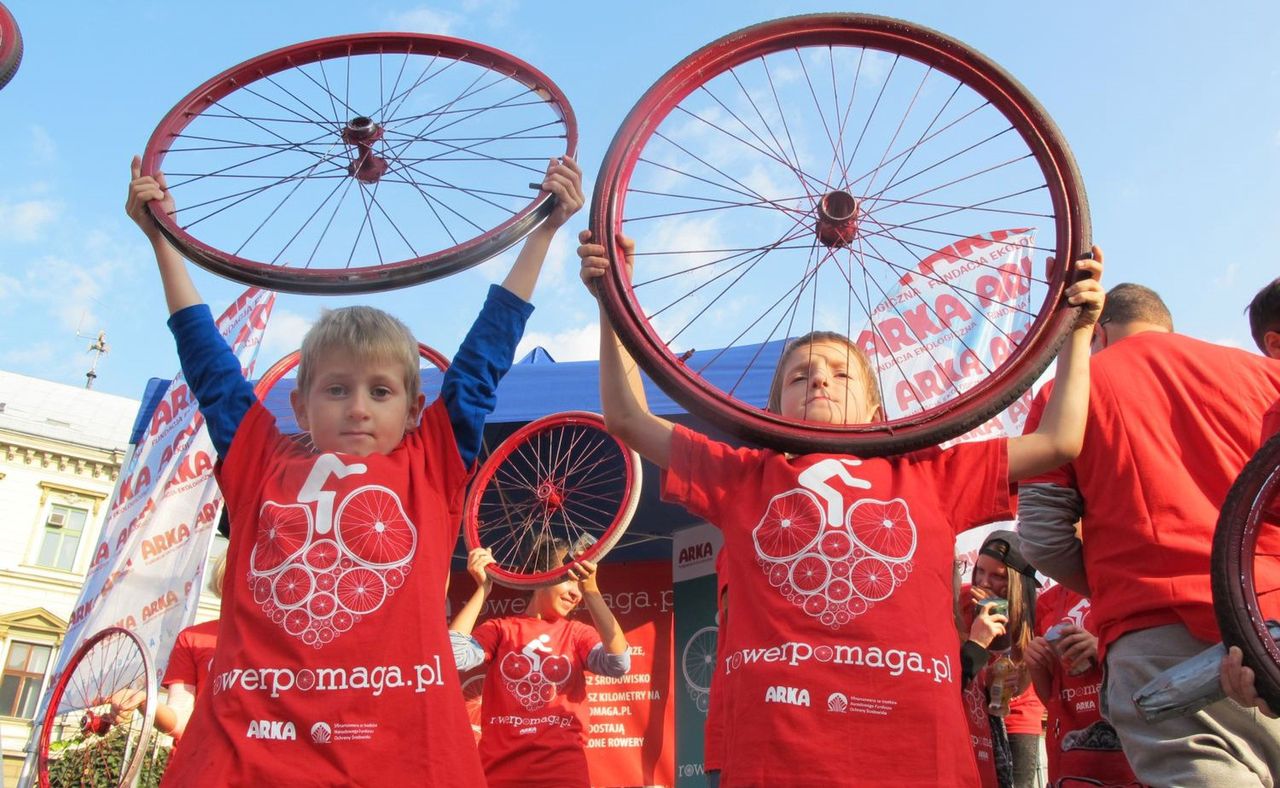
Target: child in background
186	676
535	716
1004	683
845	667
713	730
1081	745
329	667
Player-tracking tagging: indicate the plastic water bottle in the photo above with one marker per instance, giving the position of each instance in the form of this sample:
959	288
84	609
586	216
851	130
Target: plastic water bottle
1002	685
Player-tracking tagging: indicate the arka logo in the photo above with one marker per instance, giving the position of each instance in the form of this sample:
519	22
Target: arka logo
697	552
789	695
271	729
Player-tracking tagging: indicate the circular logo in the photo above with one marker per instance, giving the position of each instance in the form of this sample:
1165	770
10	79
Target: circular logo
837	702
321	733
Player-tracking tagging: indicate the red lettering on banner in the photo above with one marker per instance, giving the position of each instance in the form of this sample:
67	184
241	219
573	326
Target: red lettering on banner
128	622
1010	282
159	544
137	522
131	487
160	605
102	553
892	334
192	467
937	380
81	611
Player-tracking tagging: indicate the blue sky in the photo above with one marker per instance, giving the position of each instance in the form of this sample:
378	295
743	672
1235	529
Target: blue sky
1173	113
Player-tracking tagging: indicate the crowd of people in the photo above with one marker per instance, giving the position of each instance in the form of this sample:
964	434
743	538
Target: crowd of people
945	680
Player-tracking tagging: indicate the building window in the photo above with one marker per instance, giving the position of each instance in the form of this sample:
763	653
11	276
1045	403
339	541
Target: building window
63	528
23	675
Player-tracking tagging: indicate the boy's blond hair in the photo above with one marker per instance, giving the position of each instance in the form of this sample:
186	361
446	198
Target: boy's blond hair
366	332
812	338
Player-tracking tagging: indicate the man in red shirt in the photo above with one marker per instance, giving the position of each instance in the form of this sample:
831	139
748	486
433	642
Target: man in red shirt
1172	420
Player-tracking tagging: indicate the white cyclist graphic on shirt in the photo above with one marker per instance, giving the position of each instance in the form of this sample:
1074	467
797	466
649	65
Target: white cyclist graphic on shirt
320	565
833	562
535	673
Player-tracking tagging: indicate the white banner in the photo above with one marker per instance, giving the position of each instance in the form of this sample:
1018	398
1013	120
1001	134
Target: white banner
148	566
958	315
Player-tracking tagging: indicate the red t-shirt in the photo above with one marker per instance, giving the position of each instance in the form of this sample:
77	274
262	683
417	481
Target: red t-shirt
1080	744
1026	714
713	732
1172	420
843	650
329	668
535	716
192	655
1271	422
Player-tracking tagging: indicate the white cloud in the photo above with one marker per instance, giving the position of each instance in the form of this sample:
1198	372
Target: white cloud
1228	276
26	221
497	13
284	334
1233	342
581	343
42	144
425	20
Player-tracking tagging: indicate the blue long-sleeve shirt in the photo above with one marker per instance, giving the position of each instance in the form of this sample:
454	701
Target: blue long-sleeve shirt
469	388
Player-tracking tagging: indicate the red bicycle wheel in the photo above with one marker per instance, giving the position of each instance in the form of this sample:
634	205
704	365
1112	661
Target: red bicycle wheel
10	46
847	173
1245	568
562	477
281	370
359	163
84	740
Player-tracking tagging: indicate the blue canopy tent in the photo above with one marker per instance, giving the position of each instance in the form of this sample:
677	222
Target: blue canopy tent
538	386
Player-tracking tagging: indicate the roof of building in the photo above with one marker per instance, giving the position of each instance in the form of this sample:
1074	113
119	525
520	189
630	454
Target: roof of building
65	413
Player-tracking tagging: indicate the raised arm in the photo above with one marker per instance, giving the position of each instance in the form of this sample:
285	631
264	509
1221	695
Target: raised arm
1060	436
611	634
564	180
626	411
179	291
212	371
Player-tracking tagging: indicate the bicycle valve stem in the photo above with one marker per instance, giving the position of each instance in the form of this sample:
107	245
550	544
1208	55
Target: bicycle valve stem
361	133
837	219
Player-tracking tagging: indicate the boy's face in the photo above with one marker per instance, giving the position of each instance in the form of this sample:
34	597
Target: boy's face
824	382
356	406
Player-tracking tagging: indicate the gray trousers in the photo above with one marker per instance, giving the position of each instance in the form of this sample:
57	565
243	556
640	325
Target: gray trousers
1224	744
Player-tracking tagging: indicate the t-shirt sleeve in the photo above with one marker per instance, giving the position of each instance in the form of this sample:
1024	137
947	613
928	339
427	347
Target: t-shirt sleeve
213	373
585	638
971	481
247	462
704	475
1064	476
488	635
469	387
1271	422
182	663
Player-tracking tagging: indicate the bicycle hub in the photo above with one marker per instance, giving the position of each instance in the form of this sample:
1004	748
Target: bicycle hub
361	133
837	219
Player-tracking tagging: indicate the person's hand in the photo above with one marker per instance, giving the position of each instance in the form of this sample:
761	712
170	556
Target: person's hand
977	594
142	191
987	626
1039	655
564	180
1076	646
477	560
1237	682
1088	293
595	260
584	573
124	702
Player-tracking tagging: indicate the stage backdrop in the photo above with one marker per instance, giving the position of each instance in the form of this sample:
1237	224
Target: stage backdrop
631	739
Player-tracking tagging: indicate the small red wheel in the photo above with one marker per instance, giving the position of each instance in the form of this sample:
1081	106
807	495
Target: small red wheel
10	46
1245	568
562	477
846	173
97	729
359	163
281	370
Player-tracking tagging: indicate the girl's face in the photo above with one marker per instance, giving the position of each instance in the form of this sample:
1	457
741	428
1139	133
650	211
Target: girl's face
991	574
557	601
825	382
